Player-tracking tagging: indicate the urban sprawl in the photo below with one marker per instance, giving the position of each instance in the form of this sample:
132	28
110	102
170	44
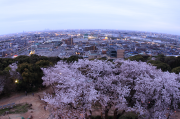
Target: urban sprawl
89	44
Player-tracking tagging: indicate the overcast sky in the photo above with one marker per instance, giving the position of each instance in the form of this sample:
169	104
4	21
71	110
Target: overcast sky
161	16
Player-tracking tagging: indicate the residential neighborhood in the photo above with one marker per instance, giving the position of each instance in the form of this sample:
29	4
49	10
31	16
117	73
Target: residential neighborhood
89	44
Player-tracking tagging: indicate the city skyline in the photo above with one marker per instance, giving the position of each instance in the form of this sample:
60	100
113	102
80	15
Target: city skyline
136	15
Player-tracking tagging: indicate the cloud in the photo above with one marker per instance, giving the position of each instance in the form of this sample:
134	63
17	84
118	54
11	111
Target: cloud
131	14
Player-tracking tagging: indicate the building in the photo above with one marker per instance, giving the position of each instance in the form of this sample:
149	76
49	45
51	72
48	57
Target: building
3	52
85	36
69	41
103	51
115	52
87	48
120	53
45	47
78	40
93	55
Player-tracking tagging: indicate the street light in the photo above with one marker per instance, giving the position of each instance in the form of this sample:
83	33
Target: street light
16	81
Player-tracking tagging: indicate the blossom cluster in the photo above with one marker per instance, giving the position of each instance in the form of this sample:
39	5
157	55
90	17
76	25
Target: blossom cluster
123	85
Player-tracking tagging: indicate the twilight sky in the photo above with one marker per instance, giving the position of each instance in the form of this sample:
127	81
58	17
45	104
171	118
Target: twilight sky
140	15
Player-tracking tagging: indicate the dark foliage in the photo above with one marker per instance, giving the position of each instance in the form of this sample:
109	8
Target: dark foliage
4	62
72	58
31	75
176	70
139	58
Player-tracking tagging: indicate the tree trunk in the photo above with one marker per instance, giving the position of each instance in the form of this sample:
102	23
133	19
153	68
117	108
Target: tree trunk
106	112
120	114
168	116
53	89
86	117
90	116
115	113
101	115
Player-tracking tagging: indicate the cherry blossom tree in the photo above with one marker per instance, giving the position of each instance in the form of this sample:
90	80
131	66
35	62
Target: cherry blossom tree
74	93
13	67
121	85
153	92
111	93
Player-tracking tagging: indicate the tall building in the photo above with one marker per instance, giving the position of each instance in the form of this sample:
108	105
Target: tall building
69	41
120	53
115	52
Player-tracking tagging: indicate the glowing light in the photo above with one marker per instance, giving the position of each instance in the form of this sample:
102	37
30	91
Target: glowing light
16	81
15	56
32	52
